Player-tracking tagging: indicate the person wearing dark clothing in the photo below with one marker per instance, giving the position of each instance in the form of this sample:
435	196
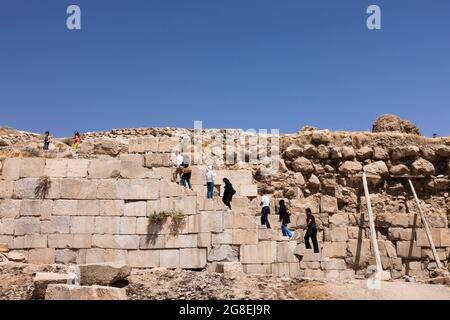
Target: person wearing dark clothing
186	176
311	231
46	140
284	219
265	210
228	193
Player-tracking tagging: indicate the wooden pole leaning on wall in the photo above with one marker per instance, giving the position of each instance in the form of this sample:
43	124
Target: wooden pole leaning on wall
425	224
373	234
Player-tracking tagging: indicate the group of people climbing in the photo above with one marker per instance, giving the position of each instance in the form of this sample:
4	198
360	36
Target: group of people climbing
76	140
284	218
184	171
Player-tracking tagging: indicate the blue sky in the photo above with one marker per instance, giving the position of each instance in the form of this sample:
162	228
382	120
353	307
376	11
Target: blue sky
231	63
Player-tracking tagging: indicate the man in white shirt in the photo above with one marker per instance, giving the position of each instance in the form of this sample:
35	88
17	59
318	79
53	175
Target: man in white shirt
179	160
210	182
265	211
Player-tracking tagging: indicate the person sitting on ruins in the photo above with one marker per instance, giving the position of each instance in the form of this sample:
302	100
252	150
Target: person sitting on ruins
210	174
228	193
47	140
179	160
186	176
311	231
265	209
76	140
284	219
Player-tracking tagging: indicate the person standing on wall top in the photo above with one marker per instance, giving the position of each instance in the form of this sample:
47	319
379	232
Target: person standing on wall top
210	182
186	176
311	231
179	160
47	140
228	193
76	140
284	219
265	210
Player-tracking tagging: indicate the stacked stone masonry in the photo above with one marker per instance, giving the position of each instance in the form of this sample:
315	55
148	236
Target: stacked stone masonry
99	209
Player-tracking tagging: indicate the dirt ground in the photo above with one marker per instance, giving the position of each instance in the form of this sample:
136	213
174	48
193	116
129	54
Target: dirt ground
16	283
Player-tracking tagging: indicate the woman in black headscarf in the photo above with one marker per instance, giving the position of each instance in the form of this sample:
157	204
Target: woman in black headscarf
228	193
284	219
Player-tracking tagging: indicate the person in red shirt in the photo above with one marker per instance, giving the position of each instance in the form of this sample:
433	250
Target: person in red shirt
76	140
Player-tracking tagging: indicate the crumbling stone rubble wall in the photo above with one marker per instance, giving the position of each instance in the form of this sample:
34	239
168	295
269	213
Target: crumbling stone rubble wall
98	206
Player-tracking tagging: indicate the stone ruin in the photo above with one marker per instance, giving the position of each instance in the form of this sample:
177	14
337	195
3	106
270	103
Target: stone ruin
102	205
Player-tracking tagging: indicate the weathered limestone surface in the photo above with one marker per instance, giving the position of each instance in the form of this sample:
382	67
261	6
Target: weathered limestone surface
73	292
100	209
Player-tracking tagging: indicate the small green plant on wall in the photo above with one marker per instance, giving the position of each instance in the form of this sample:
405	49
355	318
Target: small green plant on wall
177	218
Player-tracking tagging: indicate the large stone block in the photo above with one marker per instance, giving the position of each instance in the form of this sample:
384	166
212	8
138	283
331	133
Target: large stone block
7	226
111	207
88	207
30	241
78	189
104	168
338	220
223	252
77	168
26	189
11	169
135	209
143	258
211	221
168	144
103	273
6	189
32	167
64	208
408	250
193	258
245	236
138	189
26	225
82	225
107	241
107	189
82	241
337	234
30	208
72	292
225	237
258	268
66	256
422	239
127	225
328	204
170	189
132	167
263	252
268	234
169	258
248	190
334	249
143	144
181	241
154	160
285	251
41	256
57	224
9	208
107	225
60	241
204	240
56	168
43	279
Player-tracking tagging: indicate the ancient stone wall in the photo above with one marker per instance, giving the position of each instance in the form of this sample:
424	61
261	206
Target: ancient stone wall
99	208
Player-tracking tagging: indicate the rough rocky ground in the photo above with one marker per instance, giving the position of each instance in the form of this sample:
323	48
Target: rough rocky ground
16	283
